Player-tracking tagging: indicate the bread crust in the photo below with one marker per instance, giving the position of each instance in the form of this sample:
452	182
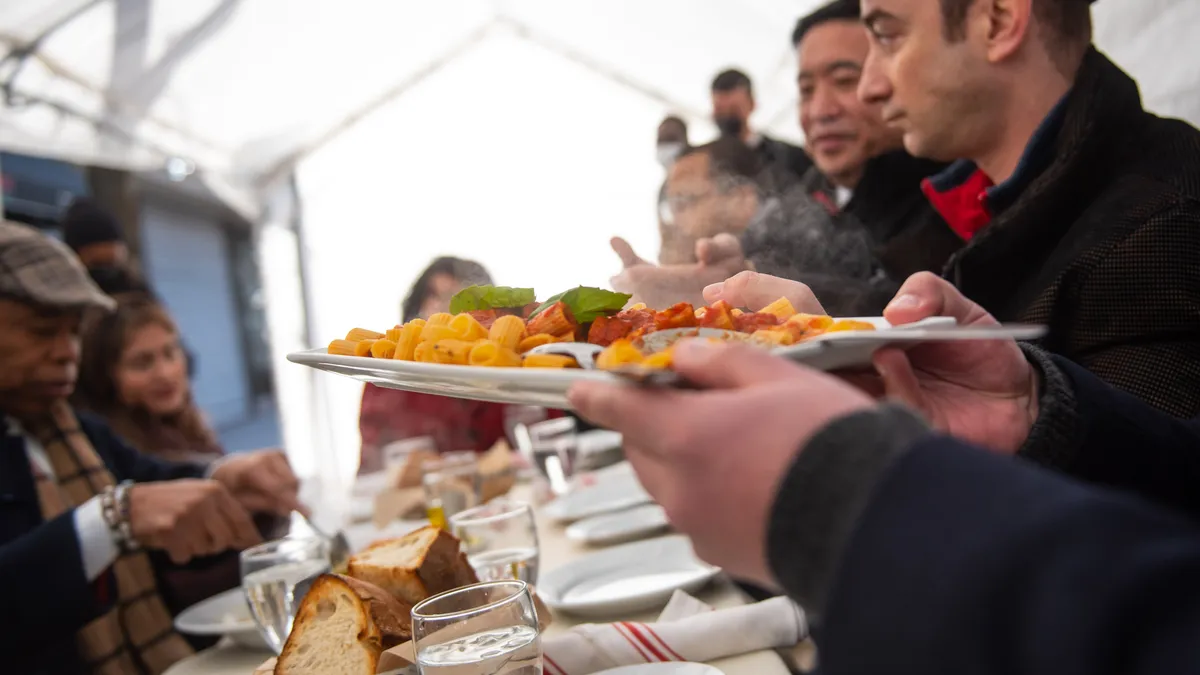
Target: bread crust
434	565
392	617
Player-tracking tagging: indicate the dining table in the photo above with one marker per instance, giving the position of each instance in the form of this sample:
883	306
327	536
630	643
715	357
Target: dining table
556	550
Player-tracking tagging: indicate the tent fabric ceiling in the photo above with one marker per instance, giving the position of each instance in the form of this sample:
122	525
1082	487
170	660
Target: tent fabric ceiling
246	88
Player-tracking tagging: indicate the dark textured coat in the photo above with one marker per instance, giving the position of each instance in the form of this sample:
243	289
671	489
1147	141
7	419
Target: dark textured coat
1104	245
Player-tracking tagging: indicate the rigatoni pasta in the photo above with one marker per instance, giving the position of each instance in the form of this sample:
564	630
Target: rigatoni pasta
504	338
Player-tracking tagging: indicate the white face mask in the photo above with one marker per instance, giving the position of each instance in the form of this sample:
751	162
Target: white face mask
668	153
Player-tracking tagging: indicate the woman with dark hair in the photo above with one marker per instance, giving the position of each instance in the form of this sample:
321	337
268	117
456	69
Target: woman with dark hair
134	373
390	415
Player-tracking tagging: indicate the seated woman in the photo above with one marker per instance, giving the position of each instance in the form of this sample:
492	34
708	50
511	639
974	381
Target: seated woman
390	415
134	373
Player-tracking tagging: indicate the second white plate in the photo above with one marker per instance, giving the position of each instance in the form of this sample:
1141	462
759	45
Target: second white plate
625	579
608	494
222	614
622	526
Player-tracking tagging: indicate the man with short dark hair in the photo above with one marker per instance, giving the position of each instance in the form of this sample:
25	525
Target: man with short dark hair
732	104
1080	209
862	175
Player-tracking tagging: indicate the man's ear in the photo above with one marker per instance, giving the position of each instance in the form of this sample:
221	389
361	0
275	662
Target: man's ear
1001	26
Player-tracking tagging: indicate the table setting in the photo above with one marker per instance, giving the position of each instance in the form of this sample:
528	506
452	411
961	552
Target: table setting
567	572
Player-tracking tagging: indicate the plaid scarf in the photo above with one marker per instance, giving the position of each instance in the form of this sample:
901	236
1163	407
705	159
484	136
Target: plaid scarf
137	635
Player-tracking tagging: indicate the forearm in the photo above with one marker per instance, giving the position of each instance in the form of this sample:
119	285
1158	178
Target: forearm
964	561
1099	434
945	558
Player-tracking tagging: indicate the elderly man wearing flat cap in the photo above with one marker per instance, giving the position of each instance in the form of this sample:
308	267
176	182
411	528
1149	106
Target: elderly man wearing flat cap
85	520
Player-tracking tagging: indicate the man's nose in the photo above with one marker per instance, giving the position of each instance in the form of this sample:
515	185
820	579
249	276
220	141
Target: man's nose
873	85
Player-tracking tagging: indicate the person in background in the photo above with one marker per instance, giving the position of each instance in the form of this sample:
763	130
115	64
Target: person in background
714	191
676	247
1080	210
133	372
711	190
88	523
454	424
732	104
862	174
97	238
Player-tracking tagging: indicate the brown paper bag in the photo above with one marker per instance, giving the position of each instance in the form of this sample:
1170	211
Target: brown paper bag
404	654
393	505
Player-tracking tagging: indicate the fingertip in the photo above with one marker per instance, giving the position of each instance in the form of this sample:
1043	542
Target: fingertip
712	292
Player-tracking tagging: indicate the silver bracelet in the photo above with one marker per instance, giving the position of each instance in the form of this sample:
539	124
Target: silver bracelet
114	504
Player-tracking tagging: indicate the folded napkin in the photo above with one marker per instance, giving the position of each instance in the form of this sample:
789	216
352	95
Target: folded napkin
688	630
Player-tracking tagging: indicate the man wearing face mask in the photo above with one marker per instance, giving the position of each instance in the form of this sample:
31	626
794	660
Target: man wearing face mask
732	103
677	247
97	240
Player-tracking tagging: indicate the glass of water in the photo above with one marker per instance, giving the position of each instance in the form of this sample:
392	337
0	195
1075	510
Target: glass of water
452	485
500	540
271	573
485	629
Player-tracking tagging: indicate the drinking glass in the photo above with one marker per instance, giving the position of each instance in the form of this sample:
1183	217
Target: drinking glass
500	540
484	629
452	485
555	449
275	576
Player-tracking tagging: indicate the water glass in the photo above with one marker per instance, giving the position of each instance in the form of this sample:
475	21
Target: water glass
275	576
452	485
500	540
396	453
555	451
489	628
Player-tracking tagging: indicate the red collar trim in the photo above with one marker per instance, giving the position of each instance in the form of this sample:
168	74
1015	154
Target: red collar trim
963	206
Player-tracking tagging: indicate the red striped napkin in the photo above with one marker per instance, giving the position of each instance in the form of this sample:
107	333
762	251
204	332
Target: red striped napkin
698	637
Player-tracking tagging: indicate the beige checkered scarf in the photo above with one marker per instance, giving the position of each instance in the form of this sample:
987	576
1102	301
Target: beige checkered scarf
136	636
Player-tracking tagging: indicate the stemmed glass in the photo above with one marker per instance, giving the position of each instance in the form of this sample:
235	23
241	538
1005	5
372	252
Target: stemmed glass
275	576
500	540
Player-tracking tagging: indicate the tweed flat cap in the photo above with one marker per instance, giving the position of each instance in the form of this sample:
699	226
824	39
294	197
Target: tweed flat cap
42	271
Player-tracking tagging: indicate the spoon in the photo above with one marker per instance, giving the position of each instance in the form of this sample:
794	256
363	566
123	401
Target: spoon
585	355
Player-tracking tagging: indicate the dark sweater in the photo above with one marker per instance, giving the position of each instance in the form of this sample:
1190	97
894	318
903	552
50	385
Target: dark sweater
916	553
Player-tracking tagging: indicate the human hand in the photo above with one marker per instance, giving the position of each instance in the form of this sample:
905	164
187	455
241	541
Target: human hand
188	518
985	391
714	458
662	286
755	291
262	481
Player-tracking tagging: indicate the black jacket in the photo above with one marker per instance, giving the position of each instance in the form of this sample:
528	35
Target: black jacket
917	553
907	234
1104	244
41	566
784	163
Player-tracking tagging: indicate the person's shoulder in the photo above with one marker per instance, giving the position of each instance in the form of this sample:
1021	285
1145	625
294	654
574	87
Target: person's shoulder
99	432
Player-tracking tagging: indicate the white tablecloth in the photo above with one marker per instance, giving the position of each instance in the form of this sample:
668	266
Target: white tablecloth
556	550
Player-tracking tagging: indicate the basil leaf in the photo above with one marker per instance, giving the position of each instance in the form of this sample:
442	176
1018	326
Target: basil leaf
490	297
587	304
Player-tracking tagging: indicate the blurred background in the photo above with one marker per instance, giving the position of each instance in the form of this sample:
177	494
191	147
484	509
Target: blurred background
285	168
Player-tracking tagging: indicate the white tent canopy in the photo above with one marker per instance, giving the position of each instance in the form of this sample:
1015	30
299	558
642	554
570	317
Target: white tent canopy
517	133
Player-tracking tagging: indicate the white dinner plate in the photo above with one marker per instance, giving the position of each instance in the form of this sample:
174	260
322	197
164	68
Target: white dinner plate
625	579
663	669
620	491
622	526
548	387
222	614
